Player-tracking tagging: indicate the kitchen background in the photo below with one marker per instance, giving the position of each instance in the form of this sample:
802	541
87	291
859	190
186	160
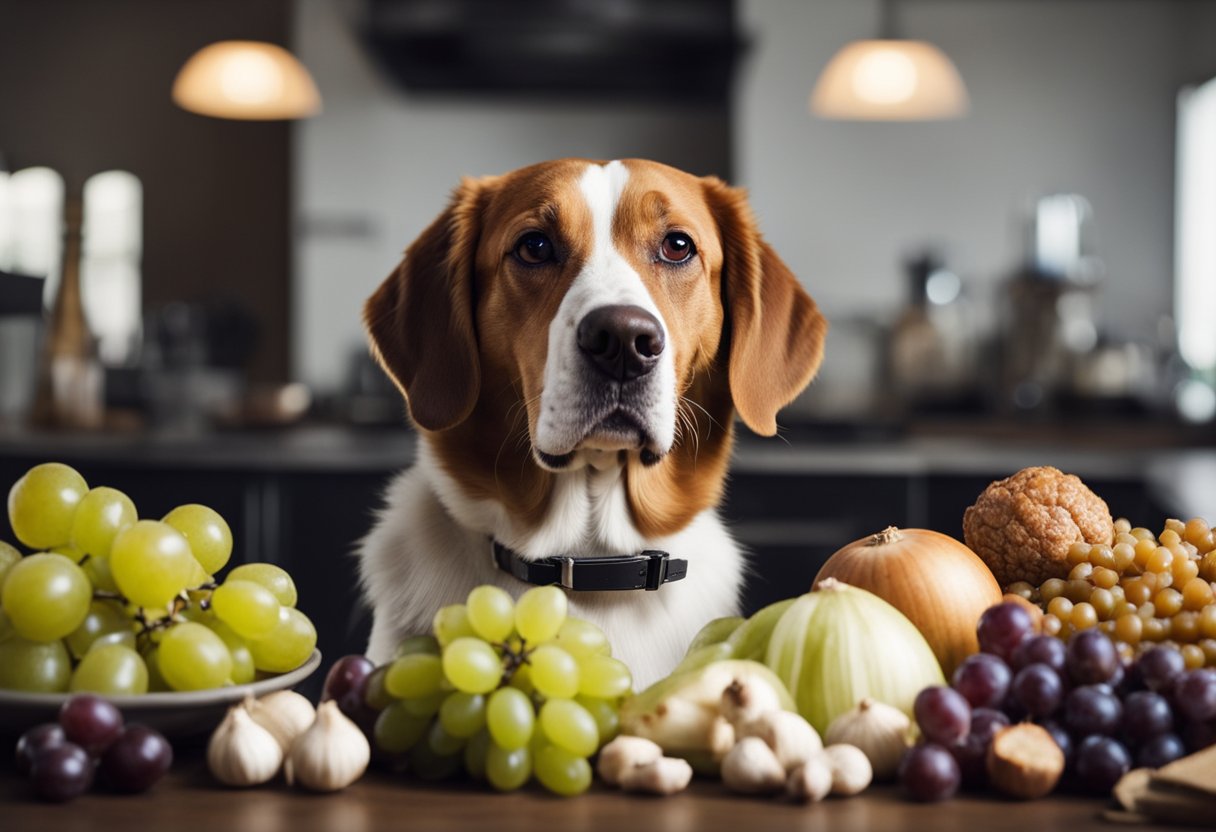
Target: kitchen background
1032	281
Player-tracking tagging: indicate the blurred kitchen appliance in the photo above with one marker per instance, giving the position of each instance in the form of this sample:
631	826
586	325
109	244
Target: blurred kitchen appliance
20	326
110	268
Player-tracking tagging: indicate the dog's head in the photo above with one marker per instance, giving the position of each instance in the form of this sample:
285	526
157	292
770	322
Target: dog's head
599	300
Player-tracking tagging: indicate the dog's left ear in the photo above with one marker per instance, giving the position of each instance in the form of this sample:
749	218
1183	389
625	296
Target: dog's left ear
421	319
776	332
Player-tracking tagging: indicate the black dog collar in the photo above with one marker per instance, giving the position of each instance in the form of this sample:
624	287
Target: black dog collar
649	570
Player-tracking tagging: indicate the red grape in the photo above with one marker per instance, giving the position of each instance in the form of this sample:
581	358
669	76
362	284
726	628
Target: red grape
1199	735
1092	709
1091	658
1195	695
1101	761
1062	738
62	772
91	722
1146	715
972	753
136	760
1161	750
35	740
983	680
1159	667
1038	689
348	675
928	772
1003	627
1047	650
942	714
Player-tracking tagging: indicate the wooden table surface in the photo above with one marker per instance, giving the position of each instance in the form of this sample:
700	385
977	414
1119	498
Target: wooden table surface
189	800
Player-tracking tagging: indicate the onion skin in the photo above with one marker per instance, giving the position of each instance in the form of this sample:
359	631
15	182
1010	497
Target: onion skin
939	584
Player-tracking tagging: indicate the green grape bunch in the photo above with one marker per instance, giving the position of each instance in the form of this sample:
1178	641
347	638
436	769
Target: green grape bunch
110	603
508	691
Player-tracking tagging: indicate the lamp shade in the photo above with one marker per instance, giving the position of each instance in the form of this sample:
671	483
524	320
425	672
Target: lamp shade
889	80
246	79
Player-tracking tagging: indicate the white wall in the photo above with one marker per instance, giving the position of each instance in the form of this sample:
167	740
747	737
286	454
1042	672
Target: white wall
1066	96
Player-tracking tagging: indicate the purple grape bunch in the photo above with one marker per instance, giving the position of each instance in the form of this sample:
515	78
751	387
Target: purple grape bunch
90	741
1106	716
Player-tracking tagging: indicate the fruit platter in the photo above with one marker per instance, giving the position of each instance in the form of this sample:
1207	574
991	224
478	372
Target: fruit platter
1052	665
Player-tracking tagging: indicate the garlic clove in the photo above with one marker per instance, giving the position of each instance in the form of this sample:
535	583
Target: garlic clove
879	730
666	775
751	767
331	754
241	752
623	753
851	770
745	700
788	734
285	714
810	782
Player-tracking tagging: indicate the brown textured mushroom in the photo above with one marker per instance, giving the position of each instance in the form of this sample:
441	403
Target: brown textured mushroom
1022	526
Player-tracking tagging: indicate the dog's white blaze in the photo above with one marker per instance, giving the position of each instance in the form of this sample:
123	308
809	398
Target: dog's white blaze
606	279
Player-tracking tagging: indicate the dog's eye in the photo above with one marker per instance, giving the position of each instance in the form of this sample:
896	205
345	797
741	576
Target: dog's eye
677	247
534	248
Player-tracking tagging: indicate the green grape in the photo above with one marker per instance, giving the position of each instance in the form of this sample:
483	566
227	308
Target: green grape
124	637
539	613
508	770
34	666
6	626
428	765
491	613
243	671
603	677
191	657
249	609
417	644
198	577
475	754
554	672
510	718
196	613
472	665
97	570
42	503
270	576
397	731
101	515
289	644
110	669
151	563
375	694
569	725
451	623
8	557
607	717
156	681
561	772
522	679
103	618
463	714
414	676
581	638
46	597
209	536
441	742
426	706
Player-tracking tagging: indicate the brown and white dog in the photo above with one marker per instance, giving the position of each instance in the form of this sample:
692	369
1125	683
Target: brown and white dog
573	340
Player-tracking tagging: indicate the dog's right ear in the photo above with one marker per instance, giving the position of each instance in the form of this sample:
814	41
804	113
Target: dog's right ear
421	319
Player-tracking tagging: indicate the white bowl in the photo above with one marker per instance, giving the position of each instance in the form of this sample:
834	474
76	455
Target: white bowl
177	715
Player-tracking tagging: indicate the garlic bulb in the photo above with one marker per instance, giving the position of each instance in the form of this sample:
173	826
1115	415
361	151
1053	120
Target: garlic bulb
790	736
851	769
811	782
241	752
285	714
879	730
751	767
330	755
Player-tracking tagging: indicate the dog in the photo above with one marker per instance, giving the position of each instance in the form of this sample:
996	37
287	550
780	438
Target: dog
573	340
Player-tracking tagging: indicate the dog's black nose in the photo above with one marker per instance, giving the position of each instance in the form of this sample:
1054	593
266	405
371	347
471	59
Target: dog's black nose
623	342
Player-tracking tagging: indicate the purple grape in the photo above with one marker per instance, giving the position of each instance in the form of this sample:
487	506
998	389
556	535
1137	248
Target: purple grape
1199	735
1092	709
1101	761
972	753
928	772
1195	695
1003	627
942	714
983	680
35	740
1062	738
136	760
1038	689
62	772
1047	650
91	722
347	676
1161	750
1159	667
1146	715
1092	658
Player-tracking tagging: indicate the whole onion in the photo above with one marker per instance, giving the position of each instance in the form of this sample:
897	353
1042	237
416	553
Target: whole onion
838	644
937	582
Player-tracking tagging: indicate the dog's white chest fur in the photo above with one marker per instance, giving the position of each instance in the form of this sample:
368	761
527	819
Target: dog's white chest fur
431	546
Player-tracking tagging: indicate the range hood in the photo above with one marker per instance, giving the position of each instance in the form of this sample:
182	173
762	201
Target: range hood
668	50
